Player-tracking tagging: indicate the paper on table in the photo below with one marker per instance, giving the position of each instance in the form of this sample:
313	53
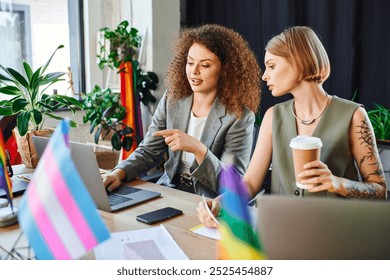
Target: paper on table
144	244
214	233
208	232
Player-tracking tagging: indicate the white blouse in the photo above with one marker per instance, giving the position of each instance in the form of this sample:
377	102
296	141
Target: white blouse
195	129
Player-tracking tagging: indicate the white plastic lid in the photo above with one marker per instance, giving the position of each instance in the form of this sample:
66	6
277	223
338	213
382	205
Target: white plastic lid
305	142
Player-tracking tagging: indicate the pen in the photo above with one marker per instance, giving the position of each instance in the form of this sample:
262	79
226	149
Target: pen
208	210
24	178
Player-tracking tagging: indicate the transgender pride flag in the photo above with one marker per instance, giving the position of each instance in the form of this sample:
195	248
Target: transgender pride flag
57	213
239	241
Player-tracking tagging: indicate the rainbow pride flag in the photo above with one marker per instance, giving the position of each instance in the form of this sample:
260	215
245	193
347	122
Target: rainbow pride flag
57	213
7	124
130	100
5	182
239	241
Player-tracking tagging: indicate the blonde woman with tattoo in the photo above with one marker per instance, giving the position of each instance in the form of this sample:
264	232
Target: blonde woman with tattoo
297	63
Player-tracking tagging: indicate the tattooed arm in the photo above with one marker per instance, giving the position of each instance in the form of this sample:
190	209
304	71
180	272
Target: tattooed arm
365	152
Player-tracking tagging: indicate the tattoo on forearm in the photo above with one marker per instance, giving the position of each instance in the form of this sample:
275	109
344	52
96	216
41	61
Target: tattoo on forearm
365	190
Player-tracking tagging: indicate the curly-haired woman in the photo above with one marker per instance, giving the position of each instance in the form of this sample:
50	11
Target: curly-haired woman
206	114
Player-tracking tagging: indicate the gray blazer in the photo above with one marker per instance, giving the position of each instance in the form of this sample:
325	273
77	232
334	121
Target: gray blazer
223	134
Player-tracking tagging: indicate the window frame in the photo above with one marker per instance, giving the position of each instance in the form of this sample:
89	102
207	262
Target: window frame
76	39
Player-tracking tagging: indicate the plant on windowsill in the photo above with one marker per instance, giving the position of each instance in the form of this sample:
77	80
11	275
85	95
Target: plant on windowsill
32	105
105	114
380	120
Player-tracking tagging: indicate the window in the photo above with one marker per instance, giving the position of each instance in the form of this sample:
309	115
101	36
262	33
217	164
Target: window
32	29
14	36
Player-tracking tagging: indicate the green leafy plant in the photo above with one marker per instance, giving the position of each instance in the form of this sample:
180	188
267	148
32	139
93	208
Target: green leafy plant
146	82
105	114
380	120
29	101
118	46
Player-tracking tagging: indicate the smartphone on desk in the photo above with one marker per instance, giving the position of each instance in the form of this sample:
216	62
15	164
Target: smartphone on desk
158	215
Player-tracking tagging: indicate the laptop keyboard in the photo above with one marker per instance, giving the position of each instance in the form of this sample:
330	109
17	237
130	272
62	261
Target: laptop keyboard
124	190
117	199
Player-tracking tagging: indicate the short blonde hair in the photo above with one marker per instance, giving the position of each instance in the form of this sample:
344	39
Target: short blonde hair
303	49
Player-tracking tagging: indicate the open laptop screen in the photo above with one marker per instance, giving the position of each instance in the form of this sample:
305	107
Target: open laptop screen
85	160
318	228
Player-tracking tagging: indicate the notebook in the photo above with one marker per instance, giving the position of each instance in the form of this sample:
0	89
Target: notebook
85	161
332	229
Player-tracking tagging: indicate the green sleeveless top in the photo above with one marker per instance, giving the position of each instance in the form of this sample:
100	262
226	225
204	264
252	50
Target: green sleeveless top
333	129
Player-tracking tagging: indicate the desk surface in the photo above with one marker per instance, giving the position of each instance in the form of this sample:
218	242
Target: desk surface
195	246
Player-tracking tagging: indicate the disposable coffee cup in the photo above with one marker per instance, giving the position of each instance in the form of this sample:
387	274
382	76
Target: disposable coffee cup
304	149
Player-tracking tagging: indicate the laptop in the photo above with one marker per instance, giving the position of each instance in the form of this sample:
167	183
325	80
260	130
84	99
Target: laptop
323	229
19	186
85	160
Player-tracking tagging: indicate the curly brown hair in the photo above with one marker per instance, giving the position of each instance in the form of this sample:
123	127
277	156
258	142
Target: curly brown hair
239	84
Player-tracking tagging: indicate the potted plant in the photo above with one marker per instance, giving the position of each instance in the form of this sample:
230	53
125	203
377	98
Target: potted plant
146	82
105	114
117	49
380	120
32	105
118	45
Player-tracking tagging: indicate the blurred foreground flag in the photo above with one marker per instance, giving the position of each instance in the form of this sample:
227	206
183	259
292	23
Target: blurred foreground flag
5	182
239	241
57	213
